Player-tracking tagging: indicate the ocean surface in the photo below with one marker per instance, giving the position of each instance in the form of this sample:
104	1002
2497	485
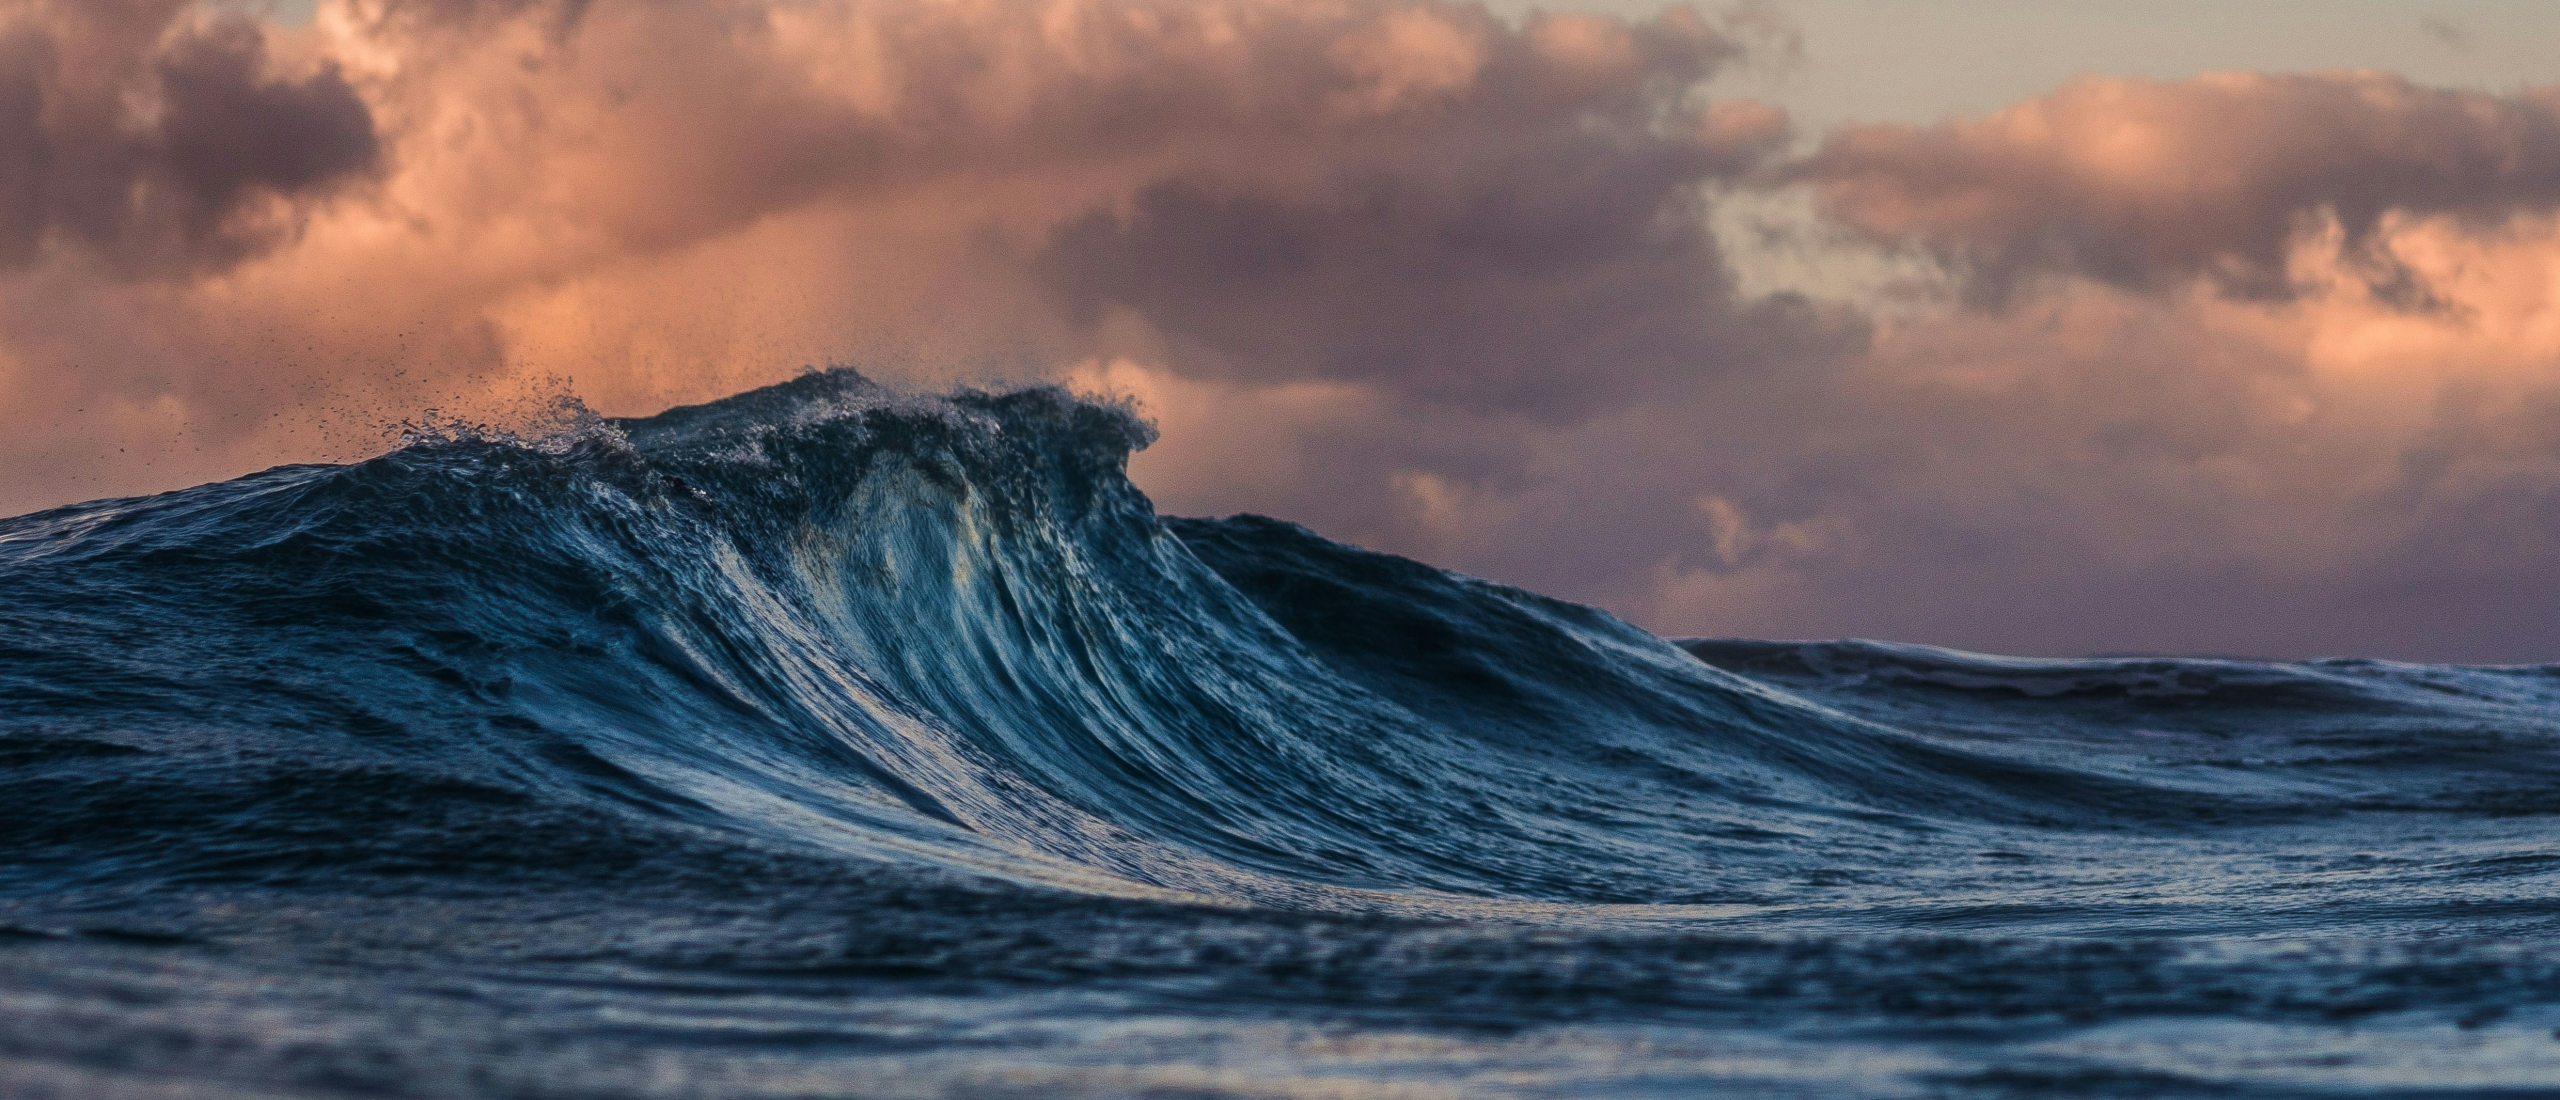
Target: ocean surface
831	740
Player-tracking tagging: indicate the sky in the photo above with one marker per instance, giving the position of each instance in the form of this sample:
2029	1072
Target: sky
2039	329
1926	60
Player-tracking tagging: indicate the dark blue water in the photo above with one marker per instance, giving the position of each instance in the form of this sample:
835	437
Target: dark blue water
828	741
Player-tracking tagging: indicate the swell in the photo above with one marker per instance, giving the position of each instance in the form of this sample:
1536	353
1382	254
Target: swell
947	632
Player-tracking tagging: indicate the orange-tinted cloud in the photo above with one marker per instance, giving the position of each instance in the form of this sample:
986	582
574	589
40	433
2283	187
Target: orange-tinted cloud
2146	183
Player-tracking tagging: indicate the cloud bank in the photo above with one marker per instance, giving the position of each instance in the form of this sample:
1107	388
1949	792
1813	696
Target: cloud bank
2247	362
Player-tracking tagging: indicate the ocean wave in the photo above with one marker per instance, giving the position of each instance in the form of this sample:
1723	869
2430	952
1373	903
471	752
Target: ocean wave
946	630
837	733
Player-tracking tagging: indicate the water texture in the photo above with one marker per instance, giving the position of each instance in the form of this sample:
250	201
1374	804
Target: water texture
835	741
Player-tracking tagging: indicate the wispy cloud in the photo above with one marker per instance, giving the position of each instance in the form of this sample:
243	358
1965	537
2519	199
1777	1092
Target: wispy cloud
2447	32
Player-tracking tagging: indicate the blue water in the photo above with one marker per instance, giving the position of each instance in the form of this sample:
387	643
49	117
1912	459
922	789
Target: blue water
836	741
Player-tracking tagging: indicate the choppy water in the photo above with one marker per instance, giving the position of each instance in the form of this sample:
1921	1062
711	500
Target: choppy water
830	741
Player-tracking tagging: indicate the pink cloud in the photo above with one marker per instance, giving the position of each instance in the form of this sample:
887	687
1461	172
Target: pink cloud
2147	183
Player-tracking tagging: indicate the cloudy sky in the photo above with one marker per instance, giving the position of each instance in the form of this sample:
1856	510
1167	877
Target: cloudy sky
2029	328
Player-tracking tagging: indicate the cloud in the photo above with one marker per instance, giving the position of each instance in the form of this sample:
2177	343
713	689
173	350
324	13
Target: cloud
1544	277
2148	184
158	138
1501	220
1544	251
2451	34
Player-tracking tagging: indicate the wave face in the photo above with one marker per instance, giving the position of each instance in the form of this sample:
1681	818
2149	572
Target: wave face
831	739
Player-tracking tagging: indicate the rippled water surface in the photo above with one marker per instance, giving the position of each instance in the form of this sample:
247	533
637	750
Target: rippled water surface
833	741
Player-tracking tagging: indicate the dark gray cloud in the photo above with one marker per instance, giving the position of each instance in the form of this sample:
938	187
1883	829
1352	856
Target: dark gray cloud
1535	244
1572	272
147	132
2446	31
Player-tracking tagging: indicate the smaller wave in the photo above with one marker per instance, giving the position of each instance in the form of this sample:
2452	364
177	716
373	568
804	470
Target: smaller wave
2255	737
